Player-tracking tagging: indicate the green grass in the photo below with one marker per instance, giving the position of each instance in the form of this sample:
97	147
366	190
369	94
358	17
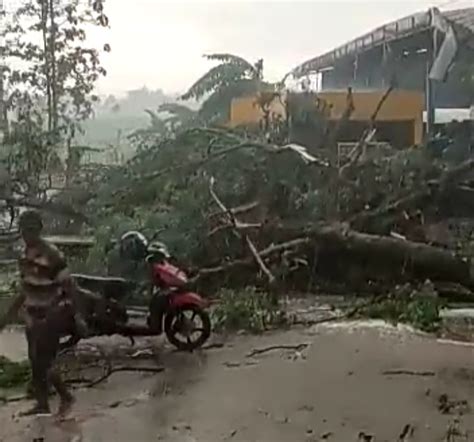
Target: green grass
13	374
246	309
417	307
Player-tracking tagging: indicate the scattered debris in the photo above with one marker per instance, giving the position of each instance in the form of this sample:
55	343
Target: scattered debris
232	434
283	420
364	437
408	373
259	351
111	371
454	432
239	364
309	408
407	433
215	345
447	405
146	353
182	426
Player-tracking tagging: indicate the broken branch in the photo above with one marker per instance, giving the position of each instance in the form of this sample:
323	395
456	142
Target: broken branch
408	373
111	371
295	347
236	225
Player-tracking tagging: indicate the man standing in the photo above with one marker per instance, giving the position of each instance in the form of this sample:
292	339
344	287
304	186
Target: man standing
47	303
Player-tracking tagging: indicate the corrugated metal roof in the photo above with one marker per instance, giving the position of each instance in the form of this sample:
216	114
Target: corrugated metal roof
462	19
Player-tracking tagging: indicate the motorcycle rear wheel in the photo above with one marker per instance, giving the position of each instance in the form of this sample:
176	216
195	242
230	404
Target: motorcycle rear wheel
178	320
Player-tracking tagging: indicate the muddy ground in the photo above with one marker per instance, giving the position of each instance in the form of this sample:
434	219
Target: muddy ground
344	379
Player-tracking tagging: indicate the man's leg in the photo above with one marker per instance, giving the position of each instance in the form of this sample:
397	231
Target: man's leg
158	306
66	399
79	312
30	388
50	347
38	371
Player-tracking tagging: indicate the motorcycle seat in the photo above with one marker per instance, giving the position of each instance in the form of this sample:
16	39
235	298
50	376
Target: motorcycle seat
110	287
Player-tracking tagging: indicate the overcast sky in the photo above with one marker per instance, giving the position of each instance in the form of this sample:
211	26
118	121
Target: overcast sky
160	43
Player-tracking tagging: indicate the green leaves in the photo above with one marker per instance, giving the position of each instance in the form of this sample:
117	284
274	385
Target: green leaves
418	306
230	70
246	309
50	90
48	37
13	374
233	77
166	186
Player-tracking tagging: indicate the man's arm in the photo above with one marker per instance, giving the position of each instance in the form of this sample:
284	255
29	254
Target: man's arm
59	270
68	284
66	281
62	275
12	311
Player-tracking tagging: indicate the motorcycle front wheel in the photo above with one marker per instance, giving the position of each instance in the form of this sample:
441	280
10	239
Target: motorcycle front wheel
188	327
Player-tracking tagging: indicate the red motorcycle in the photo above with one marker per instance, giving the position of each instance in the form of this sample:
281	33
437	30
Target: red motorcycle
173	308
176	309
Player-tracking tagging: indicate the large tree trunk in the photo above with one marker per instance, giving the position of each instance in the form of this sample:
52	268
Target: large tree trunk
53	76
47	61
395	259
335	252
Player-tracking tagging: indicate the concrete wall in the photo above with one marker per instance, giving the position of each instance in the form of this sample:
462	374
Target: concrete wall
245	111
401	106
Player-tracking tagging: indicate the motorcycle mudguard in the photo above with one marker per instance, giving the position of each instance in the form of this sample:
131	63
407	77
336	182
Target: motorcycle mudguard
179	300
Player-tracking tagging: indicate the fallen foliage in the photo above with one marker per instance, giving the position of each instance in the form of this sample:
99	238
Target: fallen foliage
238	211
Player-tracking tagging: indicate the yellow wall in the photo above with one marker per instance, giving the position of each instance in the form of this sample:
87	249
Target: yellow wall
399	106
245	111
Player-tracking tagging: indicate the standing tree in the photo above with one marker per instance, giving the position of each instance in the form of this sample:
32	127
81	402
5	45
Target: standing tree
49	81
164	123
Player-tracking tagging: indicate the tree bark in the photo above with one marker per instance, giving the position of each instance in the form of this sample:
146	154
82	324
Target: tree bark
53	76
339	252
47	63
392	258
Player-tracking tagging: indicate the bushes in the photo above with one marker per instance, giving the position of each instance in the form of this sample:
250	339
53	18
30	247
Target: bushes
246	309
13	374
417	307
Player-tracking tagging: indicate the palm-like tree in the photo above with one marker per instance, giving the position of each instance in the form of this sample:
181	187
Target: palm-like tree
178	115
233	77
162	126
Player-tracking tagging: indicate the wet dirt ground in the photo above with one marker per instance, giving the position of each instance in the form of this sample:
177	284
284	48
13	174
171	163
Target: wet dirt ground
339	382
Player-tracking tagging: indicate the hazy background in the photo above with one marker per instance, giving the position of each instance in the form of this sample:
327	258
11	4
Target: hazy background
157	46
160	43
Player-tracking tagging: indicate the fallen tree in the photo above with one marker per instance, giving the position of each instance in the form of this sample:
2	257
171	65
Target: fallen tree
333	249
289	218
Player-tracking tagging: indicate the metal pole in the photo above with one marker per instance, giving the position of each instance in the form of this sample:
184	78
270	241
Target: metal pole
3	121
431	87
